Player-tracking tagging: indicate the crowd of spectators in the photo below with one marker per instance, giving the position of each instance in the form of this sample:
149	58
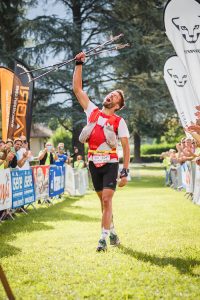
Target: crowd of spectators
16	154
188	149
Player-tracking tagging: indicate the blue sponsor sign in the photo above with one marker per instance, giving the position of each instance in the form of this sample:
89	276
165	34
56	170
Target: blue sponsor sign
29	191
22	188
17	182
56	180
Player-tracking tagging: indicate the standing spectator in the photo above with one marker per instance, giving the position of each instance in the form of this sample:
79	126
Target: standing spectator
166	164
47	156
79	163
24	155
62	158
74	155
17	145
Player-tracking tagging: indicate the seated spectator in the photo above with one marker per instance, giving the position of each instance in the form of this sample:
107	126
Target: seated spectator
79	163
47	156
62	158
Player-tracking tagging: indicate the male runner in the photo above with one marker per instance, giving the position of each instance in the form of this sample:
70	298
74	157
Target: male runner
103	159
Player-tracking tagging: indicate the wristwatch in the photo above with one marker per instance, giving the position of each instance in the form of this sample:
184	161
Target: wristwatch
124	172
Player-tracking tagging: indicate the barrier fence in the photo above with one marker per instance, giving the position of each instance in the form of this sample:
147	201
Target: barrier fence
187	176
23	187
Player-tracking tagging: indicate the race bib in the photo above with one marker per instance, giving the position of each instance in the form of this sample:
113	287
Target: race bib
100	159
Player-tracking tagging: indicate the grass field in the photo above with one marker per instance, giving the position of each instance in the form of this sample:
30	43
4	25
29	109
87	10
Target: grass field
50	254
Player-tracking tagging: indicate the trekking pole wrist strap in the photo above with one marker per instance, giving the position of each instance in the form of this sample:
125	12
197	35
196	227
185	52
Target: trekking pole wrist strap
124	172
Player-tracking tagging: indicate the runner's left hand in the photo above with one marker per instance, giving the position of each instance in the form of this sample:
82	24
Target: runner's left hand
122	182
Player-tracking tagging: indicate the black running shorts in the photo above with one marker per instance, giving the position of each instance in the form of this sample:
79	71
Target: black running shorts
104	177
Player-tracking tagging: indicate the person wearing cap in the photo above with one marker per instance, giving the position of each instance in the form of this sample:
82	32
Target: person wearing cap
102	132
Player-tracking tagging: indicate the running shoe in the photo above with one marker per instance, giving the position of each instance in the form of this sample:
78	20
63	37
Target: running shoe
102	246
114	240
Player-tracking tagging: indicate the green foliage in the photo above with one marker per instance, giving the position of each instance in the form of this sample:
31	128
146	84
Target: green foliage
147	149
50	253
12	13
174	132
62	136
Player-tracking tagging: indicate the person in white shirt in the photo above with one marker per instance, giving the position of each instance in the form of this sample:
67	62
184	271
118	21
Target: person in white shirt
102	133
24	155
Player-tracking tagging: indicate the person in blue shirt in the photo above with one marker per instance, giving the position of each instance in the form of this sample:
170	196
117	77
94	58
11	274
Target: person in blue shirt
62	157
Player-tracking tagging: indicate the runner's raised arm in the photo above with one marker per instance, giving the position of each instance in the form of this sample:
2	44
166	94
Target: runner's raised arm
81	96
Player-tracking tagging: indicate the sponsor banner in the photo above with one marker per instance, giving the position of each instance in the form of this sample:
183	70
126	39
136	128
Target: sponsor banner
6	83
76	181
82	181
21	103
182	25
17	179
56	180
188	177
181	90
5	190
28	191
69	180
41	181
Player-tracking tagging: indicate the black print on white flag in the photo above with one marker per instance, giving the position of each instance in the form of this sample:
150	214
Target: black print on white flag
181	90
182	25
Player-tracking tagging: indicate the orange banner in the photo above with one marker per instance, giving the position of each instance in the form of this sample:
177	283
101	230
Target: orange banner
6	84
21	103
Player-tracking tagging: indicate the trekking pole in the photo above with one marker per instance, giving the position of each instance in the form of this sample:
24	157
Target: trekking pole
97	50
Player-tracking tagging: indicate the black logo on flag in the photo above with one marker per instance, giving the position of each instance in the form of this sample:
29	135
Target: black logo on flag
179	79
190	32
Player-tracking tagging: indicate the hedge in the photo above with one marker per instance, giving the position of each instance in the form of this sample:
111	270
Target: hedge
156	148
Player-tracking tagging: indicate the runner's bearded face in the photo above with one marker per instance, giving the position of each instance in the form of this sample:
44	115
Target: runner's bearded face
111	100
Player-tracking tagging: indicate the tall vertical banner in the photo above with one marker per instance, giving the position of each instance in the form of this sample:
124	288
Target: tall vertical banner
21	103
182	25
6	84
181	90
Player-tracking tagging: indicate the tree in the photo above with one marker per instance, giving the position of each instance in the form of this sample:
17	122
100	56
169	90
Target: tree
139	70
81	30
11	29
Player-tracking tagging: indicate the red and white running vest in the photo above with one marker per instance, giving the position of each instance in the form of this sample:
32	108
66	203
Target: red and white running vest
97	137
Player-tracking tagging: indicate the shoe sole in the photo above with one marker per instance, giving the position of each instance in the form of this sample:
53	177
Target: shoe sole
101	250
115	245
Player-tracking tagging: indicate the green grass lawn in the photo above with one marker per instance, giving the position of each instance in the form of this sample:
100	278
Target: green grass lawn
50	254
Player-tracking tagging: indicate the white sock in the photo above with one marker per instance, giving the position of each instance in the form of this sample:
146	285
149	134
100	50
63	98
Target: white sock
104	233
112	228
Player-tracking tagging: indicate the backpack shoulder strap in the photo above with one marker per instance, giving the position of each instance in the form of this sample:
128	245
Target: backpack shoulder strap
94	115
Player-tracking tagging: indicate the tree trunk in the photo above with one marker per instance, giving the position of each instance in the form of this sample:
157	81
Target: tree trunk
137	142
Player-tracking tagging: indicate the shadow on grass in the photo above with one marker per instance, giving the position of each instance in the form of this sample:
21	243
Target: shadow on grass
147	182
146	167
184	266
34	221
